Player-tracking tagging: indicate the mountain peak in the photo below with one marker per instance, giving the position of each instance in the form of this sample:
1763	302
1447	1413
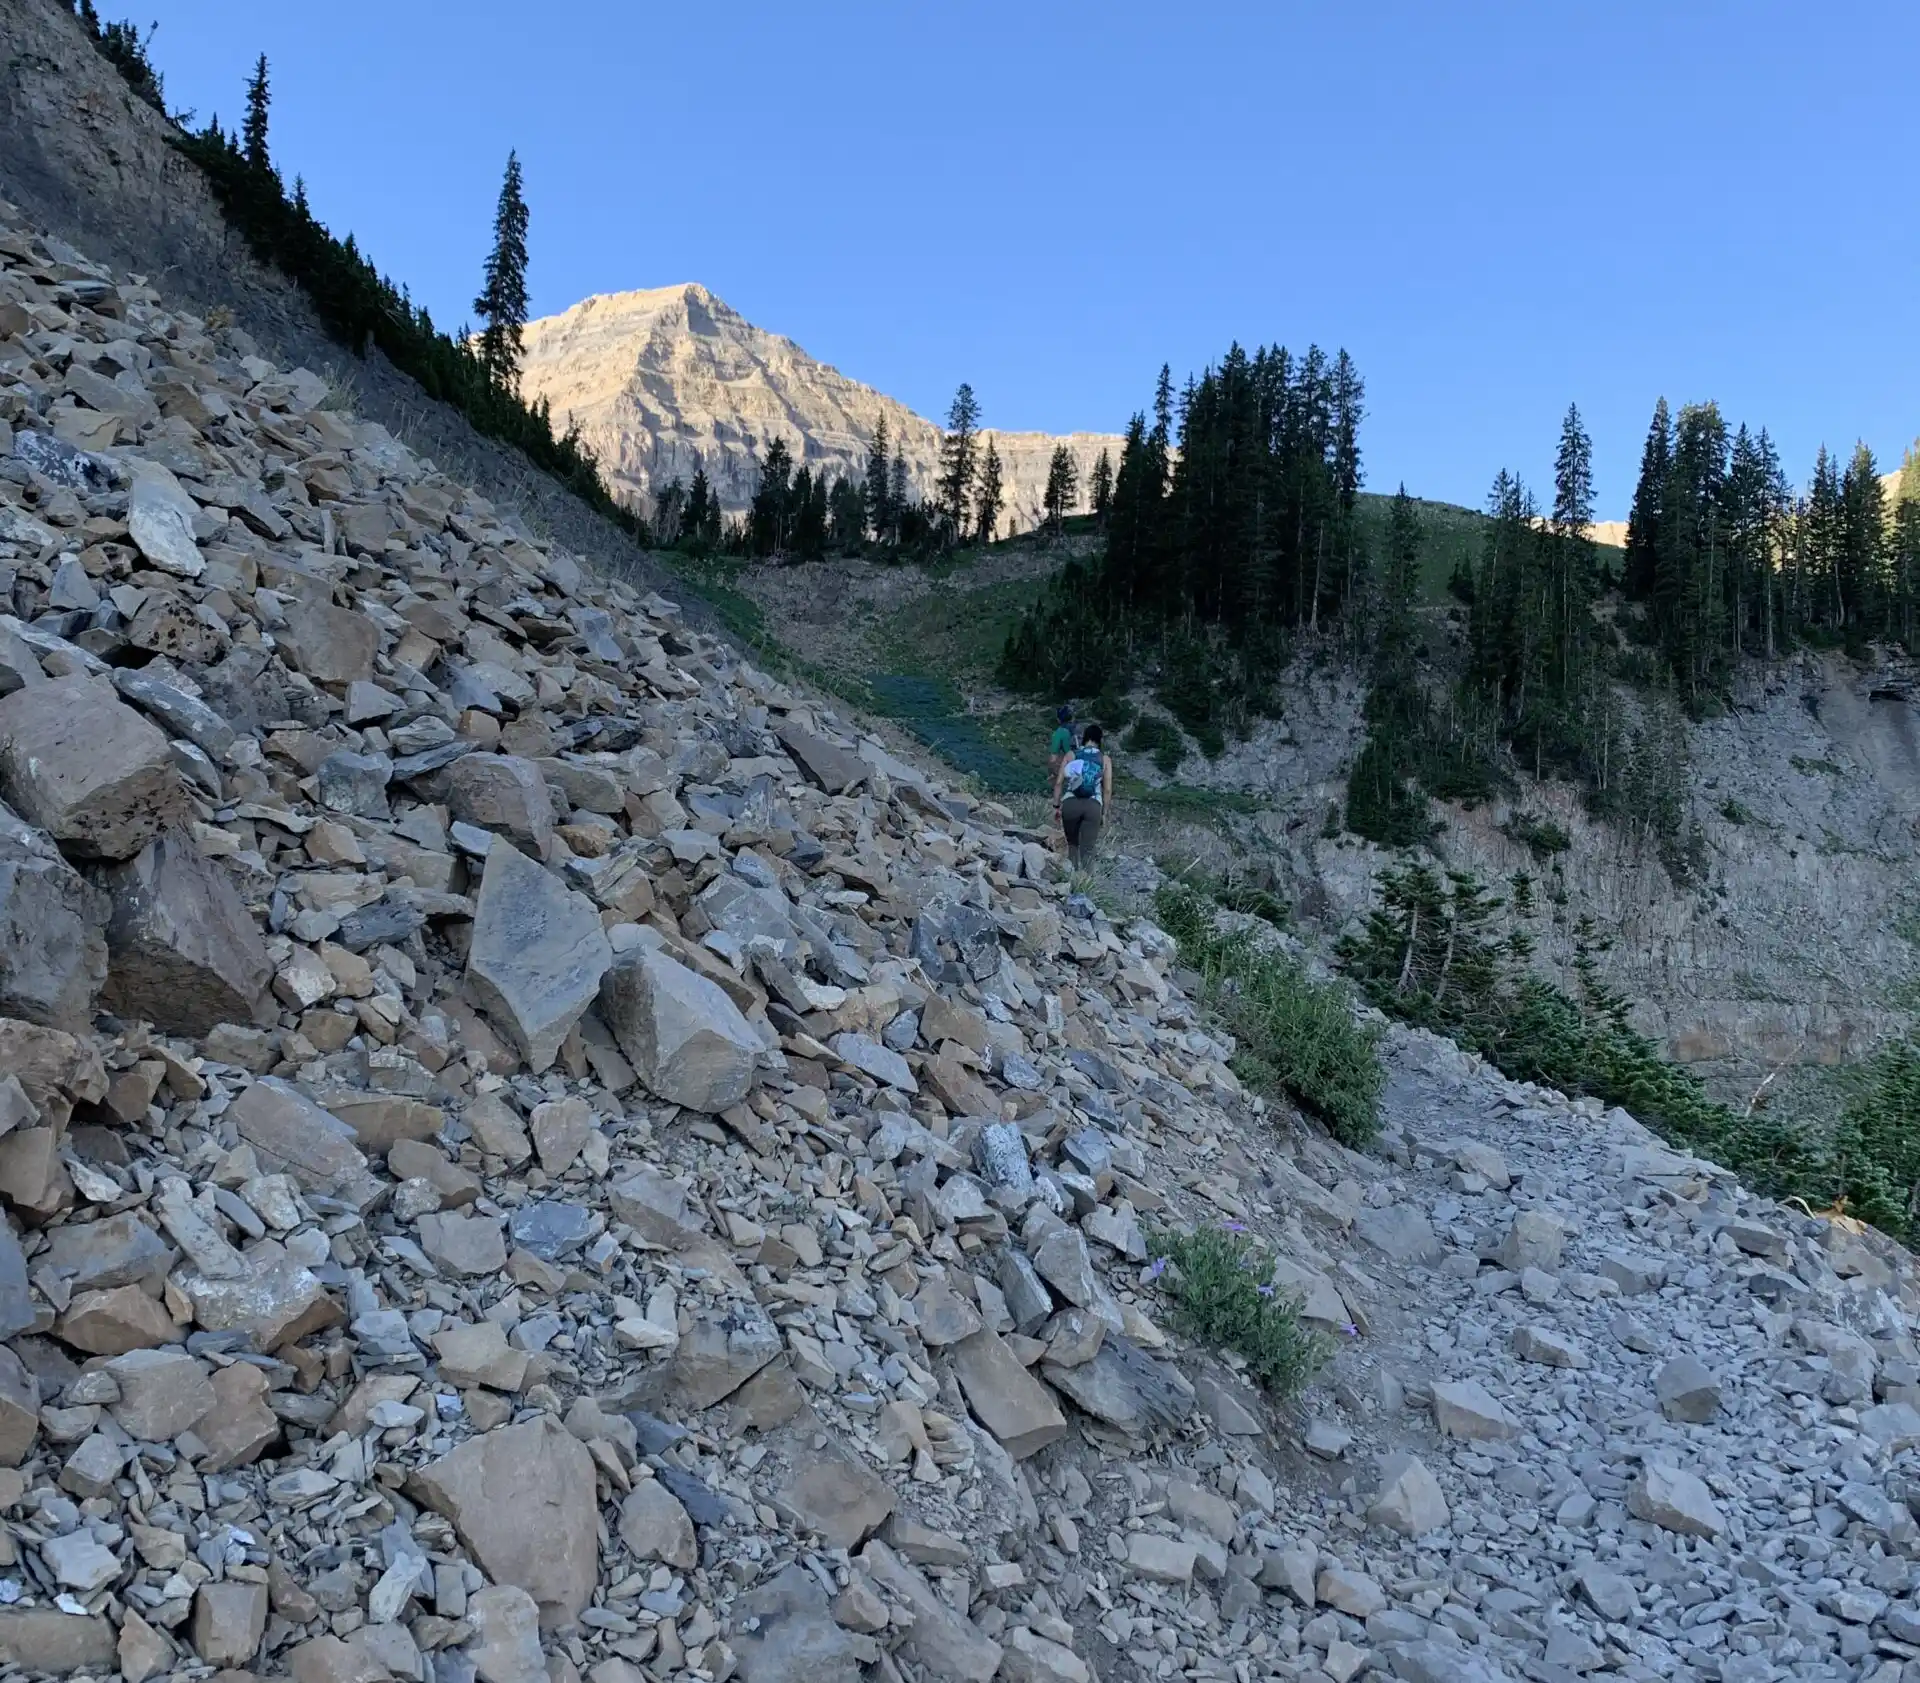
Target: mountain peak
664	380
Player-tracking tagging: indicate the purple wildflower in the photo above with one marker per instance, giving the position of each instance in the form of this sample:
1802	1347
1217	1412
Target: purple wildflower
1264	1291
1156	1267
1234	1226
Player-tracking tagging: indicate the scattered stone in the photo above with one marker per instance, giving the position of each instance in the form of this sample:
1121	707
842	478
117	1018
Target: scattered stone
686	1039
1410	1500
1686	1391
1675	1501
183	950
538	954
80	764
522	1499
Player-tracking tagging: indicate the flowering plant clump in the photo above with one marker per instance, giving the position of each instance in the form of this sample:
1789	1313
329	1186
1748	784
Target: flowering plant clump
1220	1282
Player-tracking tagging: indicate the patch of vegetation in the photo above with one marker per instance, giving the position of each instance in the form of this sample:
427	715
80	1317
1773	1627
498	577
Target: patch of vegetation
1298	1038
1221	1284
127	50
1735	812
932	711
1159	739
1817	768
1541	837
1433	956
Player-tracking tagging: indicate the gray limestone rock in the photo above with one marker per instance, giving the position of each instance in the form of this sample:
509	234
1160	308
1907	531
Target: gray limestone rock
53	950
80	764
686	1039
538	954
183	951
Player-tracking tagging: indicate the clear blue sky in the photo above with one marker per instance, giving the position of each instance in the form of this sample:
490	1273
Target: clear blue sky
1496	207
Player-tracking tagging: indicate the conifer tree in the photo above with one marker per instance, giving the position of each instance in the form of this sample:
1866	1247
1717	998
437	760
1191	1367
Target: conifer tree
770	518
992	496
254	133
959	451
1063	487
1100	488
502	304
1863	543
1643	519
877	490
897	502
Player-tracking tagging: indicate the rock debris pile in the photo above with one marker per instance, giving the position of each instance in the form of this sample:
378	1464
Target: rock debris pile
530	1152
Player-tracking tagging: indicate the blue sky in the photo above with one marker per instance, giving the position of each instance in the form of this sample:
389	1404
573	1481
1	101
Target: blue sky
1497	208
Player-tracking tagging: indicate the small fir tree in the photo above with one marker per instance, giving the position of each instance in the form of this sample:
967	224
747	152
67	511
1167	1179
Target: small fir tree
959	456
254	134
992	496
1063	487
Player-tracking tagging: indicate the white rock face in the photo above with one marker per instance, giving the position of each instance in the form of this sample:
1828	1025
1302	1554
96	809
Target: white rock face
664	381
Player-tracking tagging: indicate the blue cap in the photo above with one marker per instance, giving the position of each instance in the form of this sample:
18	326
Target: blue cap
1065	713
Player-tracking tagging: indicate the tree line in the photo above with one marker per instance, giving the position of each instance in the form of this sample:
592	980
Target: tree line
1728	561
1229	526
801	513
358	306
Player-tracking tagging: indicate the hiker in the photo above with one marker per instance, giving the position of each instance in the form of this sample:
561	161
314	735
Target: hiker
1083	796
1060	749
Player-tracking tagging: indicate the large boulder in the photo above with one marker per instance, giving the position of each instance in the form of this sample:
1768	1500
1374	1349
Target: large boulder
684	1036
537	956
184	952
331	645
86	768
505	793
53	952
523	1500
291	1134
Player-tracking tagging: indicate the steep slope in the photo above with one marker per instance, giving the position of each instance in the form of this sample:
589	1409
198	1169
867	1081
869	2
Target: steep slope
532	1151
664	381
91	164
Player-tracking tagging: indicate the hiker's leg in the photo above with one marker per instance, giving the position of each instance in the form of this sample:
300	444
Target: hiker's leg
1091	824
1073	815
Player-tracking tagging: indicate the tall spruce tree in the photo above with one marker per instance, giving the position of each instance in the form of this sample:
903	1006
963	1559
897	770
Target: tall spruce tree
254	132
877	489
502	304
1863	544
1063	487
992	497
897	494
959	460
1100	486
1643	519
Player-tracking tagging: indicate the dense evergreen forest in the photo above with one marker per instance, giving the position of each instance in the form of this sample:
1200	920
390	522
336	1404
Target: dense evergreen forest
1230	526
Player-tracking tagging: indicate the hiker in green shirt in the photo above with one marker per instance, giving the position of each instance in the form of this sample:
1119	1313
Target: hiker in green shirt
1061	747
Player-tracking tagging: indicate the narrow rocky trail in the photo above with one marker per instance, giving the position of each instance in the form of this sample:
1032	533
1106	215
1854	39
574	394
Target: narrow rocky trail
1606	1412
532	1151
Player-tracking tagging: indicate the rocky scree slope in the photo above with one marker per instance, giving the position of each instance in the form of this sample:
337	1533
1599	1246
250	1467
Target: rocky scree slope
90	163
530	1150
666	381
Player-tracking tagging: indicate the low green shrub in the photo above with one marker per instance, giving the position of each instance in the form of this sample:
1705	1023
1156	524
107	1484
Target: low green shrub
1159	739
1298	1038
1221	1284
1542	837
1431	955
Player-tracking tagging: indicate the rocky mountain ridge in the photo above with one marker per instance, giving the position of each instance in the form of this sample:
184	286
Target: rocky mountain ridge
665	381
